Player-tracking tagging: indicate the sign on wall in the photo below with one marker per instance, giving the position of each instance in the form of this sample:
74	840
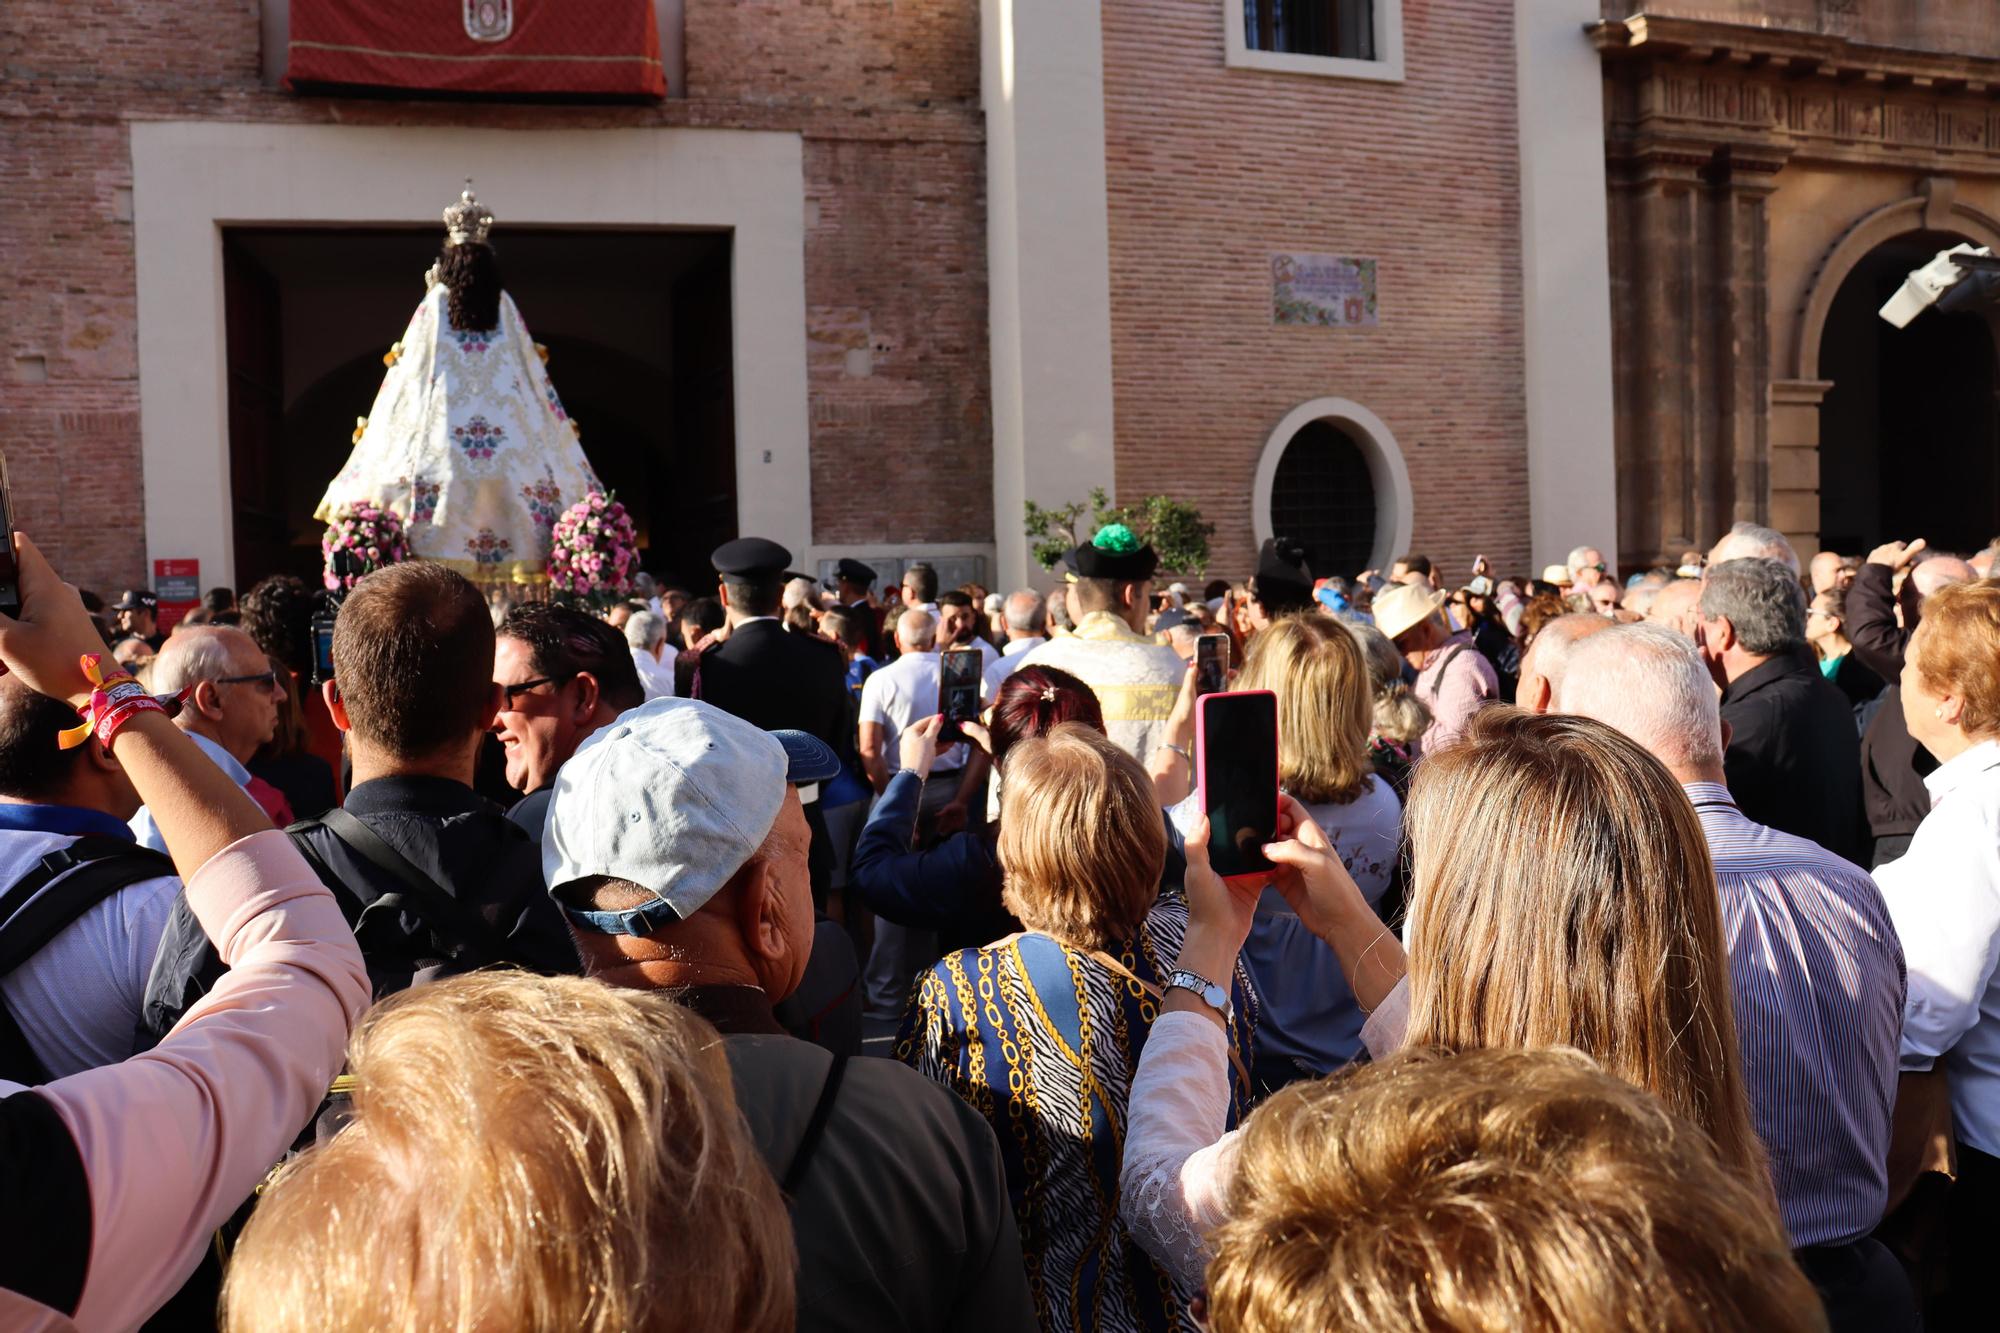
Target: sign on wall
1327	291
177	583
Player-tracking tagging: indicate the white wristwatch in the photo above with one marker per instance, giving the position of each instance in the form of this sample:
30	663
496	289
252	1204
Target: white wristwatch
1214	996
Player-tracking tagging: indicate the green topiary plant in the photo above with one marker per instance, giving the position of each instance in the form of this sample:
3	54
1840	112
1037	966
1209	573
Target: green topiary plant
1173	528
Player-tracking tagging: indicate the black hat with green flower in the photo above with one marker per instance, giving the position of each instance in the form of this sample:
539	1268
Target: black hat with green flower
1115	553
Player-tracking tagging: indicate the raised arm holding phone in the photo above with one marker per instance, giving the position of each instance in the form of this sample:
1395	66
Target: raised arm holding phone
131	1166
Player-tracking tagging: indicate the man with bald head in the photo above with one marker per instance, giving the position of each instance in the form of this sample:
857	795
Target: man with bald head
229	709
1828	571
1880	620
1547	659
1674	607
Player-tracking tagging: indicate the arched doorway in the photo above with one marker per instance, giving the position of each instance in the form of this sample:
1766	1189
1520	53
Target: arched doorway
1909	436
1332	476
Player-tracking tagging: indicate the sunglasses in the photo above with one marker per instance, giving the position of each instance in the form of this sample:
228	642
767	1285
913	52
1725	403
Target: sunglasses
515	691
264	680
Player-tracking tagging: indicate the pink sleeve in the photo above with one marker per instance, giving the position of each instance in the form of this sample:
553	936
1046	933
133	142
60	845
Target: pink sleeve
174	1140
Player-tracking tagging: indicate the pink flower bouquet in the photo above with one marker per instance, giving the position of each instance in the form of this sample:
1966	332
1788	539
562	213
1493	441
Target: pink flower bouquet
594	552
361	538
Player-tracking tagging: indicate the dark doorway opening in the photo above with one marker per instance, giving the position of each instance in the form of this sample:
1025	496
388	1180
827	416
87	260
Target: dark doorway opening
1324	497
1907	433
638	330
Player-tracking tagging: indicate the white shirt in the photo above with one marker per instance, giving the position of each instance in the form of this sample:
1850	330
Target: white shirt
77	1001
1008	662
143	827
1944	897
656	676
901	695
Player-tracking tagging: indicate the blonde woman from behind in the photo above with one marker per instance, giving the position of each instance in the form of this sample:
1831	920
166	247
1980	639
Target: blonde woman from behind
525	1152
1523	1190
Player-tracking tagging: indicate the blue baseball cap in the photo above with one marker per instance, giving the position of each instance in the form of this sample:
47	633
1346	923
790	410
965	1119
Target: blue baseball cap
674	797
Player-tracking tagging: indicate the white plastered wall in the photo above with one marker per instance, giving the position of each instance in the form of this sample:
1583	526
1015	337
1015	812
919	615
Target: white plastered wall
1566	281
1048	249
191	179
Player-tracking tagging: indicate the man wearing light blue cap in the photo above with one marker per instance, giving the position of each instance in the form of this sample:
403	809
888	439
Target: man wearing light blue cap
676	846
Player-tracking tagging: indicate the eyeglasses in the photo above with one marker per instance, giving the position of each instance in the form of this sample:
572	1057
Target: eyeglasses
513	691
1599	567
264	680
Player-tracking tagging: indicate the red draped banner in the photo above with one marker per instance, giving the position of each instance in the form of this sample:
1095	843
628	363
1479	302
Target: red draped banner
479	46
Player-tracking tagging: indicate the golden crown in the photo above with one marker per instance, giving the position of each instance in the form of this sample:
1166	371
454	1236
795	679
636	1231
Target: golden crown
468	220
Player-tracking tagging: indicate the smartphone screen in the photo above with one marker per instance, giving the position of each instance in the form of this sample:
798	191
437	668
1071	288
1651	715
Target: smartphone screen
322	631
10	572
959	680
1211	664
1236	740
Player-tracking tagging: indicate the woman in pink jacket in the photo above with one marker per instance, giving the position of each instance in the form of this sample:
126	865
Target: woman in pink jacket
117	1176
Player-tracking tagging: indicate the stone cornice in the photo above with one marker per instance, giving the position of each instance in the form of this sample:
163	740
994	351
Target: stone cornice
1793	53
1804	96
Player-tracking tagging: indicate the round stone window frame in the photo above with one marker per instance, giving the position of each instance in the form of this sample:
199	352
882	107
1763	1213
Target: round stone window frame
1395	507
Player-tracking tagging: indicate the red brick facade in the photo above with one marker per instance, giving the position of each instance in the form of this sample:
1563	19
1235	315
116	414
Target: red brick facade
1212	169
885	96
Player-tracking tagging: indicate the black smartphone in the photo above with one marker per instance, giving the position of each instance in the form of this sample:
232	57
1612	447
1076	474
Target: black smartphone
322	632
959	679
10	570
1211	664
1236	756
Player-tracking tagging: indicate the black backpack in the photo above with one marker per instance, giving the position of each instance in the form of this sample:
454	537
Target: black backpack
43	903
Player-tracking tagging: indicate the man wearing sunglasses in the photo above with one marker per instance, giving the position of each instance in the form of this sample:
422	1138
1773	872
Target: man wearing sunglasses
230	708
1587	568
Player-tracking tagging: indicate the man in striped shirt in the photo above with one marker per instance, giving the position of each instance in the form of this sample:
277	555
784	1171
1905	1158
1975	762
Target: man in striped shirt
1816	976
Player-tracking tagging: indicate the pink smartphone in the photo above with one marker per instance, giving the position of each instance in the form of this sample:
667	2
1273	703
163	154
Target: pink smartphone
1236	760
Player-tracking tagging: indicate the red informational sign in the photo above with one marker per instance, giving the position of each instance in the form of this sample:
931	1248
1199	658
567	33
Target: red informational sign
177	583
478	46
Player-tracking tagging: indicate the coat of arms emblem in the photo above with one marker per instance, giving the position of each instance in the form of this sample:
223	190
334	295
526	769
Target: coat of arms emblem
489	20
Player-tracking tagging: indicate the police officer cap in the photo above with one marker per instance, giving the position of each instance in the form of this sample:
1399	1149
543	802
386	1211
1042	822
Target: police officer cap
853	571
1114	553
751	558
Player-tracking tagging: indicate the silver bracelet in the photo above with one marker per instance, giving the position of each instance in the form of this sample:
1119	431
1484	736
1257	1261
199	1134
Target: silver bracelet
1169	745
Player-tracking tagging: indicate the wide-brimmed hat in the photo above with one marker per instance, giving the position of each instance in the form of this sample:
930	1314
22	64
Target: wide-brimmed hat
1558	575
1403	607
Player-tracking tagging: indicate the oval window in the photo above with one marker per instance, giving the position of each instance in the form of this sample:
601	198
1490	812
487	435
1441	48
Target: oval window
1324	496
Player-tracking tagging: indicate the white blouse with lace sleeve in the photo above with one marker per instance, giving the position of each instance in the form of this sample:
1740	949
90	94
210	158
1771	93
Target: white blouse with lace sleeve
1178	1160
1177	1157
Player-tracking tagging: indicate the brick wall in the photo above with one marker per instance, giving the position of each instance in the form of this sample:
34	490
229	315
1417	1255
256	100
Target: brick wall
886	96
1212	169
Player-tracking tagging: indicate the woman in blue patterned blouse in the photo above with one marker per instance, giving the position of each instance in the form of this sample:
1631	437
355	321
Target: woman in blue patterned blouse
1040	1032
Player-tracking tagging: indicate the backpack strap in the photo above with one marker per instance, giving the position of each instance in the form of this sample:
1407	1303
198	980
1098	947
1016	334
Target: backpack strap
82	875
92	869
461	926
815	1128
45	1238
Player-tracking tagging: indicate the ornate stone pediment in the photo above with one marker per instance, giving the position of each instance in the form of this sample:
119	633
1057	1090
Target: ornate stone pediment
1818	96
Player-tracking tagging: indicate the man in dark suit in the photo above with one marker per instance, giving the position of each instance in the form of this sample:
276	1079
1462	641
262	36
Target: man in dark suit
1793	759
852	582
772	678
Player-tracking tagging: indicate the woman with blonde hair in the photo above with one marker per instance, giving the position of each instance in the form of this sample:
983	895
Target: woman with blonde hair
525	1152
1399	717
1040	1032
1944	896
1308	1023
1494	1189
1562	895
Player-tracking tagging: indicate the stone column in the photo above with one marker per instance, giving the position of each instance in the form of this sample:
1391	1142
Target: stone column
1794	470
1048	249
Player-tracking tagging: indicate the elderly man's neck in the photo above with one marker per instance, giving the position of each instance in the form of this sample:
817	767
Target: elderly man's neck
669	960
196	725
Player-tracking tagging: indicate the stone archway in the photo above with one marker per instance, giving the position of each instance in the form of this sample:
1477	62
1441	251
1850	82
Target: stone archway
1796	401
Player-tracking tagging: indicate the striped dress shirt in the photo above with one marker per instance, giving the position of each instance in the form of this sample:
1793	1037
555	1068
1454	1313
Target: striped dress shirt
1817	979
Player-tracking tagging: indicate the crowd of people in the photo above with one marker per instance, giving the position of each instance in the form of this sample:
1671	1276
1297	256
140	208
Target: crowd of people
1627	957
